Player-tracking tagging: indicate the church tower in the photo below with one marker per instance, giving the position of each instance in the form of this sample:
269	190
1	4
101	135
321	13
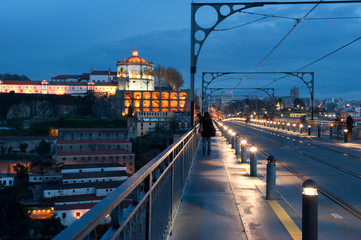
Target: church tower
137	72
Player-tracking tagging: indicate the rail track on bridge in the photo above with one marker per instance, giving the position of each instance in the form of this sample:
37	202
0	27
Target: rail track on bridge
343	204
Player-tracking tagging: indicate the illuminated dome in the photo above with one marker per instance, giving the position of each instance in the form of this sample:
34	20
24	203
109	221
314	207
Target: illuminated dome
135	58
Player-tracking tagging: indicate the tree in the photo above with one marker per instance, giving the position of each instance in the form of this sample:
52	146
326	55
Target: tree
170	75
331	107
20	170
3	149
173	78
23	147
43	148
41	164
298	102
8	76
10	149
158	75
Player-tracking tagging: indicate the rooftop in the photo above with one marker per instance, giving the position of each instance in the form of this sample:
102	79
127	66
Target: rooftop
93	129
94	174
74	206
83	153
98	185
76	198
100	165
91	141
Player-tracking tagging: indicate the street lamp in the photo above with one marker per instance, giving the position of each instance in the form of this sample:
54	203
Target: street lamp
309	210
233	134
252	161
345	134
243	150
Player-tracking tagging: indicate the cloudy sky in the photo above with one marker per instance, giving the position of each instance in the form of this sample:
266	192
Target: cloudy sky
42	39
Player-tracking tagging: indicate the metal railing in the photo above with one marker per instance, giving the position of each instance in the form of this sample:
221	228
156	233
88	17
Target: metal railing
144	206
330	128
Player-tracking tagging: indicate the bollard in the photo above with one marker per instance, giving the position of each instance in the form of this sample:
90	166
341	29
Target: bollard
331	126
319	131
253	161
229	136
345	135
243	150
309	210
237	145
288	126
283	126
233	139
294	127
271	178
301	128
309	129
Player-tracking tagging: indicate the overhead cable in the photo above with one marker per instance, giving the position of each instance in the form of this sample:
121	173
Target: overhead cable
279	43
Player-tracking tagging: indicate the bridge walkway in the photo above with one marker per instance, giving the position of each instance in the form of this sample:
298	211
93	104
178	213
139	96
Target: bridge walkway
221	201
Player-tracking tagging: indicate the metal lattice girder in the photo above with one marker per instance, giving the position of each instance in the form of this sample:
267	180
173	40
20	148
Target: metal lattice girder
269	91
199	34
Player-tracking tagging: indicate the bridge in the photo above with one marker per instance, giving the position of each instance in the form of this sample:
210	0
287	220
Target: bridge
182	194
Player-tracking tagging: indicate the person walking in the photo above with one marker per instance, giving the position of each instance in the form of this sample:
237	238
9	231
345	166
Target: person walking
349	125
208	131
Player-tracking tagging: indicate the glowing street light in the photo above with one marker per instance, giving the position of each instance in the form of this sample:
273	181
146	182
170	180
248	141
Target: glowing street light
309	210
243	150
252	161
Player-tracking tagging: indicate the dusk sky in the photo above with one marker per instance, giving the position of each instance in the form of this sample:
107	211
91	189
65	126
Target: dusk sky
43	38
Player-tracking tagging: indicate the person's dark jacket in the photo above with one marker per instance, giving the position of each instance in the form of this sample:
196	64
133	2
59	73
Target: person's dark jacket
349	122
207	127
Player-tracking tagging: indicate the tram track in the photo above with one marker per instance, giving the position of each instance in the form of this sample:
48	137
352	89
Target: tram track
349	172
338	201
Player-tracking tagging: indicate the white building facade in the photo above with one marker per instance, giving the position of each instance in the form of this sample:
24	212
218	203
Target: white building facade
135	73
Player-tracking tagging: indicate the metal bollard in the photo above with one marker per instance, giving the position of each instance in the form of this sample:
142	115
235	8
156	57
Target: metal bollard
271	178
229	136
309	210
283	126
331	126
345	135
319	131
301	128
253	161
233	139
288	126
309	130
243	150
294	127
237	145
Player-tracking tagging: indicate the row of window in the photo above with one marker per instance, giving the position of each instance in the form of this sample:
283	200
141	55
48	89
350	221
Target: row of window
90	180
98	158
88	189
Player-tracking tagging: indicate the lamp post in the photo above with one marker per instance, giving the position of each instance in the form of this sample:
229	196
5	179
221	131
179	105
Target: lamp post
271	178
233	141
253	161
237	145
229	136
243	150
309	210
309	129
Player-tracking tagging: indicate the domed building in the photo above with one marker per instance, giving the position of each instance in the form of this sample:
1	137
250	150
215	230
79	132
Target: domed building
135	73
